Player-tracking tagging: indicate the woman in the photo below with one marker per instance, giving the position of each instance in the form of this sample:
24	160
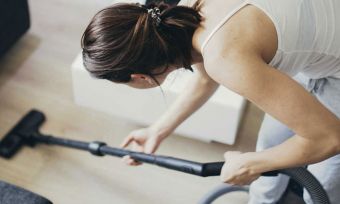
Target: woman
254	48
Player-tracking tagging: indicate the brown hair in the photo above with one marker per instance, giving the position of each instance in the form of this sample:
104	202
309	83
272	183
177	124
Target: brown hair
123	39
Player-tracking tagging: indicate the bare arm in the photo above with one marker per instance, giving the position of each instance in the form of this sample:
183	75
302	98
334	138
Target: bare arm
197	92
317	129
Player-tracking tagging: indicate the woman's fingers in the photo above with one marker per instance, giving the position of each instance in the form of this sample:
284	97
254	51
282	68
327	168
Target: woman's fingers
126	141
137	148
140	141
127	160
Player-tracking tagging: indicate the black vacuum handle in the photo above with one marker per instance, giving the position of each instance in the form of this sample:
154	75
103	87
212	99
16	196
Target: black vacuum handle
163	161
186	166
214	169
101	149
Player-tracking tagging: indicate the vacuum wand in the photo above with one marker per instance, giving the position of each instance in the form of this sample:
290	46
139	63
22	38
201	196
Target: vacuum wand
26	132
101	149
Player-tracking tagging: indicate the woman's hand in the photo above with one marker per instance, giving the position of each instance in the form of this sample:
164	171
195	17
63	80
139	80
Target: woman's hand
237	170
144	140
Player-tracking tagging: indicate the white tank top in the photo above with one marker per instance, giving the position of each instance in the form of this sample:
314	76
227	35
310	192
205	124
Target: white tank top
308	35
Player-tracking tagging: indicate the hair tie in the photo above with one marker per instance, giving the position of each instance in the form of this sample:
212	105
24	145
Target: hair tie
155	15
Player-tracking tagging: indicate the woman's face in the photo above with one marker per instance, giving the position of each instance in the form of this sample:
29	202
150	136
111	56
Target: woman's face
142	81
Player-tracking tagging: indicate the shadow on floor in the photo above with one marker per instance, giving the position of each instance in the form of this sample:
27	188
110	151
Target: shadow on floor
13	60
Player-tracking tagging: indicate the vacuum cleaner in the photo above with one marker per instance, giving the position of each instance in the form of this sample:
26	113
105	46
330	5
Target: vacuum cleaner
26	133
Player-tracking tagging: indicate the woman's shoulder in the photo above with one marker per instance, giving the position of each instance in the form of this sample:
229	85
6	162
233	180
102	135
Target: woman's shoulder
248	29
213	12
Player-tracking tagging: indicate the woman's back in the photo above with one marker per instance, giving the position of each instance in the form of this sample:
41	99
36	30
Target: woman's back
308	32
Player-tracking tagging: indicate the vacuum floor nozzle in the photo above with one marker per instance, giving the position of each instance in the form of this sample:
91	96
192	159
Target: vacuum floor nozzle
21	134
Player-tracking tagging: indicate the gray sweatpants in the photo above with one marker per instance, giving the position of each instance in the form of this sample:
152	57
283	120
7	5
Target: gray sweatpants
268	190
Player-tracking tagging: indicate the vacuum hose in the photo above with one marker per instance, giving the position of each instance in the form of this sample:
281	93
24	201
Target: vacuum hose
300	175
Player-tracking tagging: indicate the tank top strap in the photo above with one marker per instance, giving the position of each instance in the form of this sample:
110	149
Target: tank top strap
222	22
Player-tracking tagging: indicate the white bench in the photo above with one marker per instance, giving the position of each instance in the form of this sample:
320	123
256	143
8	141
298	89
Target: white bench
217	120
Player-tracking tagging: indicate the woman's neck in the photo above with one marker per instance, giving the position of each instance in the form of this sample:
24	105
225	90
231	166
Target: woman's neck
196	57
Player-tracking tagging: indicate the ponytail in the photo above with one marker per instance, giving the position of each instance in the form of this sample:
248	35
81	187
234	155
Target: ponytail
126	39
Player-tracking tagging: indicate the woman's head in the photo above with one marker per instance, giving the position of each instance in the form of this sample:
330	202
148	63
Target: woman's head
127	42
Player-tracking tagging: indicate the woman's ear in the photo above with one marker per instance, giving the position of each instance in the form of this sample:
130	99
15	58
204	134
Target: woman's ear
142	78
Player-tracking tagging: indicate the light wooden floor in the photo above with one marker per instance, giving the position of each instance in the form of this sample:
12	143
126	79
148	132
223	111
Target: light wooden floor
36	74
